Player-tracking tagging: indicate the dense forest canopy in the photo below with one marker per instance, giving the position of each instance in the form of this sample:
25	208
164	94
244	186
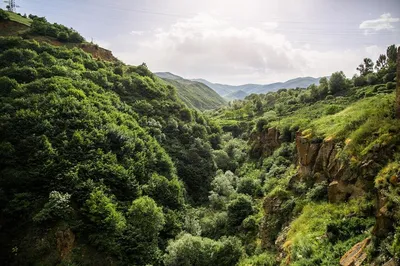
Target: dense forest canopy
103	164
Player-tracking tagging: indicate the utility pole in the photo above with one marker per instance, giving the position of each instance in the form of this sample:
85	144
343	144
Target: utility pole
11	6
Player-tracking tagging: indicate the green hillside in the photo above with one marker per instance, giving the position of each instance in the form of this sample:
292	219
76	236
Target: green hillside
194	94
102	163
19	19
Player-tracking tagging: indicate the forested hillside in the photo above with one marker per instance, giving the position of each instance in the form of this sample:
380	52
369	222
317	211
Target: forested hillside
102	164
194	94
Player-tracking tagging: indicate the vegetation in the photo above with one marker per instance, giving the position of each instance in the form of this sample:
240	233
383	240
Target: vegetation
103	164
195	94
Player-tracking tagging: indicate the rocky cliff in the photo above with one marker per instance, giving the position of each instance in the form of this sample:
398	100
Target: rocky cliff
318	161
265	142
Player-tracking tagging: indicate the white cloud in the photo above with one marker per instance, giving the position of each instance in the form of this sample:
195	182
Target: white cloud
384	22
137	32
214	49
270	25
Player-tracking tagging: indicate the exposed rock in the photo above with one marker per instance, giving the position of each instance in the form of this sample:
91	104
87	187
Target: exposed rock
280	244
384	223
391	262
270	225
356	255
307	153
317	162
264	143
98	52
65	242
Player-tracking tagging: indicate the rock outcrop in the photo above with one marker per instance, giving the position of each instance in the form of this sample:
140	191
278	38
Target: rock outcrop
98	52
65	242
318	162
356	255
264	143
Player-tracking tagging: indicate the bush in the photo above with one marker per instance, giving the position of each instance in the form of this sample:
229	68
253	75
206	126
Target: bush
238	210
391	85
332	109
371	78
200	251
4	15
359	81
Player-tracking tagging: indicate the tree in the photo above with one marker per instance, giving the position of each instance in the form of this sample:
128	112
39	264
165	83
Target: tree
238	210
359	81
366	67
140	241
337	82
391	54
381	62
102	212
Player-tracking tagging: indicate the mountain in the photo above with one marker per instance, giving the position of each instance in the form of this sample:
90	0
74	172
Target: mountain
195	94
236	95
229	91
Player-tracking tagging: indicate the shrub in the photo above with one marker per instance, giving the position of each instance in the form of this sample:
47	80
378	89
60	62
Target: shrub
238	210
200	251
391	85
4	15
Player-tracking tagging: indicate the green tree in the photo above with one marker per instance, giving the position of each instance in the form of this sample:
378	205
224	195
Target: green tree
238	210
381	63
337	82
366	67
391	54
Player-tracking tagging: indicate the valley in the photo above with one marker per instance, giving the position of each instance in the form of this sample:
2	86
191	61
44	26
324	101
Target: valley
106	163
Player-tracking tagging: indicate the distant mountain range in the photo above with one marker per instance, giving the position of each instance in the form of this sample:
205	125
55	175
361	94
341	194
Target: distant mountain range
231	92
194	94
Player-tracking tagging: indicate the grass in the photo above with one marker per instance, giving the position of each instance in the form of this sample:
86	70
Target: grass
309	241
19	19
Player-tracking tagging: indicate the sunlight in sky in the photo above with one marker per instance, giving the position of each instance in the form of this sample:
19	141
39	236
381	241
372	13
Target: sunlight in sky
233	41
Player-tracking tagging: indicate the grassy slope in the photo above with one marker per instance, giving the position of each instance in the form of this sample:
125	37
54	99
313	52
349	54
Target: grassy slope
19	19
197	95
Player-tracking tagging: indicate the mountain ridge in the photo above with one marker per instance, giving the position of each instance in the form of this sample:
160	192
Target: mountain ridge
227	91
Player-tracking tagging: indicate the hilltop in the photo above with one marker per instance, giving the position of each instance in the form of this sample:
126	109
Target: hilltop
37	28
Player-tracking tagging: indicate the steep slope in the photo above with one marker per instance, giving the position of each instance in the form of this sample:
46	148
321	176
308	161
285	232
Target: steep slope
97	158
194	94
328	163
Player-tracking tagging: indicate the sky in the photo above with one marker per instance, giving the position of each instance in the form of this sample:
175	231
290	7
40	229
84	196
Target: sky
230	41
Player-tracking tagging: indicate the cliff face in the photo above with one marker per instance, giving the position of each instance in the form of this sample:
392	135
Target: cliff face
318	162
98	52
264	143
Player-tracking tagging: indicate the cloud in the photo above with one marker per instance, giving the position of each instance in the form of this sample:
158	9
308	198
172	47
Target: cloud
384	22
137	32
212	48
270	25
